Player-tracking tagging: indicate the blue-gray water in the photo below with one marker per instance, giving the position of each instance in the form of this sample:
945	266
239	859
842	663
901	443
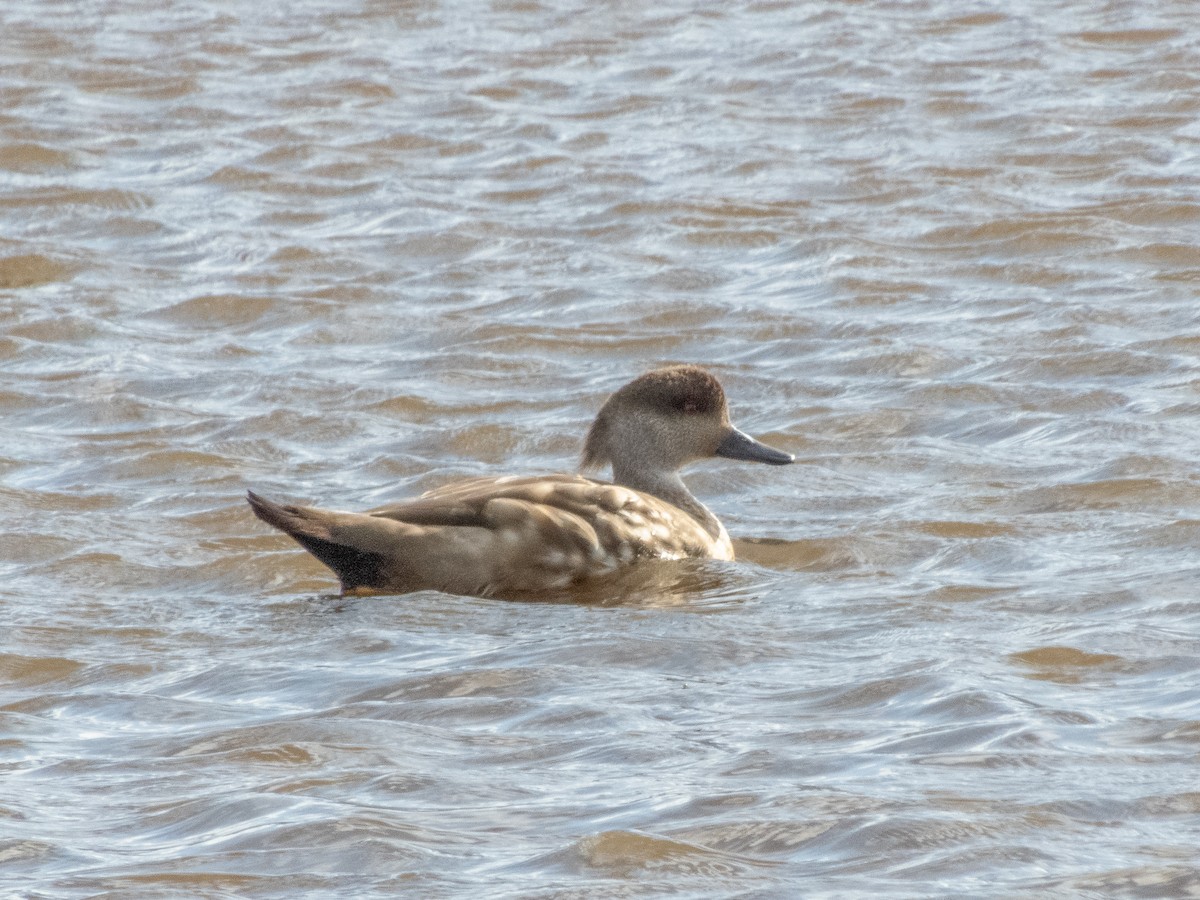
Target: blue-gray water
947	255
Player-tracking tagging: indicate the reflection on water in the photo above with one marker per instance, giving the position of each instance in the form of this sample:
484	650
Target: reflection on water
347	252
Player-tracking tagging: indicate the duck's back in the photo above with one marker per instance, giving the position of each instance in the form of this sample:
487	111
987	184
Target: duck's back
550	531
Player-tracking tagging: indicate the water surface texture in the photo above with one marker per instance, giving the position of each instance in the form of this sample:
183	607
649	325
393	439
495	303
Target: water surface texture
945	253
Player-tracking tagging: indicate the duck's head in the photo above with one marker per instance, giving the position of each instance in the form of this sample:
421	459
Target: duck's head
665	419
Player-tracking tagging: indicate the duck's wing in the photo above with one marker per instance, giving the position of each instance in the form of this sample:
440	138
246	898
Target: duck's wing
606	523
464	503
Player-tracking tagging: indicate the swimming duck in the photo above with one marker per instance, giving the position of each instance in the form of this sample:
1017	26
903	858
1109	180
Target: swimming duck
514	536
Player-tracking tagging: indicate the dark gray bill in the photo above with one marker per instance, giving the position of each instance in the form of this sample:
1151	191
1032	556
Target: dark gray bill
738	445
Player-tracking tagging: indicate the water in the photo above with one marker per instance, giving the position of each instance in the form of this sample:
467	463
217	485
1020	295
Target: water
345	252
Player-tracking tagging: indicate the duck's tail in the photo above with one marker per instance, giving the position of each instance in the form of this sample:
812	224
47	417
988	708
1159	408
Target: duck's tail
318	532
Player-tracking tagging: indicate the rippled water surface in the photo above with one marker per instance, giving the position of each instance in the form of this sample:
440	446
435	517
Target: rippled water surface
344	252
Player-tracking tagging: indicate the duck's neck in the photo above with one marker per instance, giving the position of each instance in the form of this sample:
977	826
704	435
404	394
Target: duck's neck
667	486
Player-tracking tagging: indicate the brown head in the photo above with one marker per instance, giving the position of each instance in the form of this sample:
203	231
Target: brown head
665	419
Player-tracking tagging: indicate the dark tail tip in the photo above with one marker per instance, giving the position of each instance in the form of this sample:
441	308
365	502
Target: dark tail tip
271	513
356	568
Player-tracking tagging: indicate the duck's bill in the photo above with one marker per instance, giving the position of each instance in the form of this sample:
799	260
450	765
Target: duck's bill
738	445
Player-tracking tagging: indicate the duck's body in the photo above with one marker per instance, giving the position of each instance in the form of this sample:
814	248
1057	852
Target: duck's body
515	536
497	536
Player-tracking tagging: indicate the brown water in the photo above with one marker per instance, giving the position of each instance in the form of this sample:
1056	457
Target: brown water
343	252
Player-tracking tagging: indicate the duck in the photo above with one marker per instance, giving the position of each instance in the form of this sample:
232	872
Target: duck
516	536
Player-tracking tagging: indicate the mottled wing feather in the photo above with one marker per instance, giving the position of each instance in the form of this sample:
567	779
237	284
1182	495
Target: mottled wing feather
569	520
462	502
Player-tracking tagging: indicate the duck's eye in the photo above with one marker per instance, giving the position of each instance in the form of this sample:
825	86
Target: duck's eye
690	406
